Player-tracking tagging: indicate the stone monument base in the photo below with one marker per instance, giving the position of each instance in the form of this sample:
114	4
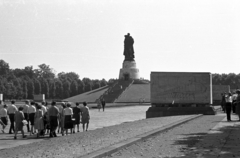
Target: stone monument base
129	71
172	111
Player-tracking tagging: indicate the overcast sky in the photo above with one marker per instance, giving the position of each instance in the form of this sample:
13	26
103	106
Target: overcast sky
86	36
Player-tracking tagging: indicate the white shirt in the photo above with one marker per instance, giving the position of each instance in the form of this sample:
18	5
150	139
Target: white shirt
31	109
44	109
11	109
25	108
68	111
3	112
228	99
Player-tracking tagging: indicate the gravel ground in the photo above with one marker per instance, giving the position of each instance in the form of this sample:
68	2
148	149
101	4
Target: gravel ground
177	142
85	142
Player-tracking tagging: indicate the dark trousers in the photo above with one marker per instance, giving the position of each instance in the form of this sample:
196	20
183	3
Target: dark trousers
27	119
228	110
11	118
53	125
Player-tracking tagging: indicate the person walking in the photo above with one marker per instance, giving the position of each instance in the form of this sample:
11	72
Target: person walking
25	112
53	113
238	104
228	105
62	118
31	114
11	113
3	117
18	118
68	123
103	103
85	116
223	101
99	104
38	121
43	108
76	116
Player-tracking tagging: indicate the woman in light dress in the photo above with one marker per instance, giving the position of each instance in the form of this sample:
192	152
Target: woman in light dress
85	116
68	113
38	120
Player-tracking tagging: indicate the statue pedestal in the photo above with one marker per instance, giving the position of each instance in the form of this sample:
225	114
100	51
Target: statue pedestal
129	71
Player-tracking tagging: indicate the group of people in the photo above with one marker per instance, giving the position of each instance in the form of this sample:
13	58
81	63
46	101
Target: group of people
231	102
41	119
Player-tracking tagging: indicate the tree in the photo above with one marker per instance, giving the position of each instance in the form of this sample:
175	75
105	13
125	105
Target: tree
81	86
103	82
24	89
74	88
45	87
88	84
66	89
96	84
59	89
45	71
4	68
37	86
52	89
30	87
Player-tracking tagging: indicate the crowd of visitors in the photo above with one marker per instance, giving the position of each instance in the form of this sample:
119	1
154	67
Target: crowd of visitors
231	103
42	120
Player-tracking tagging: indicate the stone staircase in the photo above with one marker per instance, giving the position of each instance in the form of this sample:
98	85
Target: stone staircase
116	90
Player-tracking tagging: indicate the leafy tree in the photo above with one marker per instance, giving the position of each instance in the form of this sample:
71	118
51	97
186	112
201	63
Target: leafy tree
74	88
103	82
52	88
30	87
4	68
81	86
37	86
45	71
66	89
45	87
24	89
59	89
88	84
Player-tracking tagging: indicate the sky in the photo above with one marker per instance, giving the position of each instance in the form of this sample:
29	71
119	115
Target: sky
86	36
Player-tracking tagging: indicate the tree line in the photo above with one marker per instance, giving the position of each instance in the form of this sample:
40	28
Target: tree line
231	79
24	83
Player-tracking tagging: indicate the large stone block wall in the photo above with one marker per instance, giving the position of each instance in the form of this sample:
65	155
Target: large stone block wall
181	88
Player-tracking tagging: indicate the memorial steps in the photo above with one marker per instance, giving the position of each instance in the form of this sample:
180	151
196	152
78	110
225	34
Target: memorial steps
136	93
122	91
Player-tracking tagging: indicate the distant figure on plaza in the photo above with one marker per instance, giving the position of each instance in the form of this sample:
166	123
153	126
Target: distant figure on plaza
18	118
38	121
53	113
76	116
228	105
85	116
223	101
31	114
103	103
128	48
3	117
11	113
238	104
68	123
99	104
25	112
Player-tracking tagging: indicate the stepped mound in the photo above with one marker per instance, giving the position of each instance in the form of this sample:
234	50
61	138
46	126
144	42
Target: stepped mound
89	97
135	93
